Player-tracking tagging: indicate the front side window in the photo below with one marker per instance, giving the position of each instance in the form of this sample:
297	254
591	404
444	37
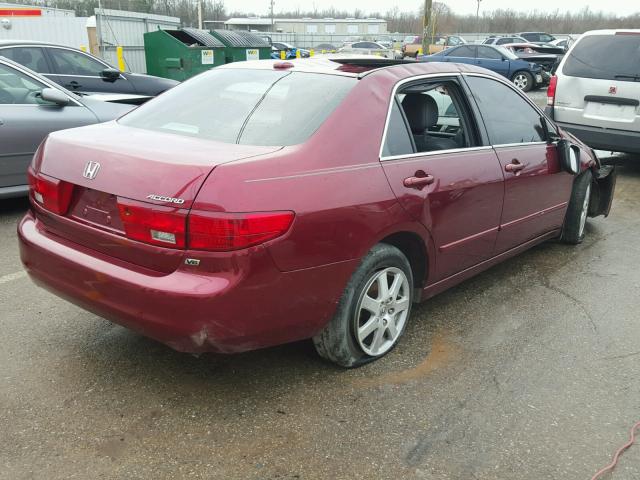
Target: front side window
507	116
30	57
605	57
250	107
16	88
464	51
70	62
490	53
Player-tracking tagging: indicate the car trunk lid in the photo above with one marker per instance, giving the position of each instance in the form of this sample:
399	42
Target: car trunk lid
111	165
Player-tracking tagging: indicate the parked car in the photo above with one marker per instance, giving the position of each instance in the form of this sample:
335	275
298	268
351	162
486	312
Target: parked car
224	223
327	47
537	37
369	48
596	92
563	43
31	107
504	40
79	71
289	50
525	75
437	44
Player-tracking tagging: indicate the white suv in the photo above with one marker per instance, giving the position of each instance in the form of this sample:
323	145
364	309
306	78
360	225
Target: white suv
596	91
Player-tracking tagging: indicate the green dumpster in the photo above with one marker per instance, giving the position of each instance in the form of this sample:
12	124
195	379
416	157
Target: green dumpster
181	54
241	45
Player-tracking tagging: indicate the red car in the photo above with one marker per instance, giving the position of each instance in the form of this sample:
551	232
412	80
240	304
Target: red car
267	202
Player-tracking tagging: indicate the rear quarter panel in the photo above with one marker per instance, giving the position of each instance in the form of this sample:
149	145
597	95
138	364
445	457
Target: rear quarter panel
334	183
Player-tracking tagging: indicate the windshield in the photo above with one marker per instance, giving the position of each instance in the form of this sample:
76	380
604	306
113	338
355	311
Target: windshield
249	107
606	57
507	53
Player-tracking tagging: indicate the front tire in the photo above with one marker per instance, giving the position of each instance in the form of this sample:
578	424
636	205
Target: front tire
523	80
373	311
575	219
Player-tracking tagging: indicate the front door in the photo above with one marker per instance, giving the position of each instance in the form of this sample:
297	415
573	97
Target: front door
491	59
442	175
25	121
79	72
536	189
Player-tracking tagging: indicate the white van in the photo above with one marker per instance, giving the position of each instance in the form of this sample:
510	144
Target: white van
596	91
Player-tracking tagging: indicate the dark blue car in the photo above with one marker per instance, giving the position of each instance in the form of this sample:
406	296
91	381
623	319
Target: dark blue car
523	74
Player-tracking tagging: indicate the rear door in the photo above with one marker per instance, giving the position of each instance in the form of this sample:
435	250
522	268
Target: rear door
456	193
536	189
25	121
599	84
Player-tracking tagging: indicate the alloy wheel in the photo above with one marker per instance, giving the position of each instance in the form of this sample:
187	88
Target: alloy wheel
585	210
382	311
521	81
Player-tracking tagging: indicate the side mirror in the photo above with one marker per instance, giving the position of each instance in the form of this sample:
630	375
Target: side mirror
52	95
110	74
569	156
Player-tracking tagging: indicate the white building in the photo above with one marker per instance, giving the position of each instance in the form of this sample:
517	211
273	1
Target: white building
319	26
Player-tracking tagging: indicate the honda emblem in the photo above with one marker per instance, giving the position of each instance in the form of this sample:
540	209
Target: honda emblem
91	170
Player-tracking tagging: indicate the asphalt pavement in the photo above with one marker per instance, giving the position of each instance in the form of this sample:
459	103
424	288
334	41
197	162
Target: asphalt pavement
527	371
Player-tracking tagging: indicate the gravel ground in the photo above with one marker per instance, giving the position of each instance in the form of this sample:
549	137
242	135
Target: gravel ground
527	371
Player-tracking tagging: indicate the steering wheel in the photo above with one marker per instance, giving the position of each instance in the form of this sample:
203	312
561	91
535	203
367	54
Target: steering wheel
6	97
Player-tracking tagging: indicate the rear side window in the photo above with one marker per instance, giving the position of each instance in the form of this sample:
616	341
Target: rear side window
250	107
508	117
605	57
30	57
397	141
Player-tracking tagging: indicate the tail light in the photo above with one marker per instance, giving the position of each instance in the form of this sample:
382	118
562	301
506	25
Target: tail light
200	230
551	91
233	231
163	226
53	194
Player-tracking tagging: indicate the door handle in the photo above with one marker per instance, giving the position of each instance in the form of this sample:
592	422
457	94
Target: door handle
419	180
514	167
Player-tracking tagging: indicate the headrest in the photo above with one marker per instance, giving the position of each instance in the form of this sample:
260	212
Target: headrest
421	111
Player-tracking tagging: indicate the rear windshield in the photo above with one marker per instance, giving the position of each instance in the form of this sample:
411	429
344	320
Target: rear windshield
606	57
249	107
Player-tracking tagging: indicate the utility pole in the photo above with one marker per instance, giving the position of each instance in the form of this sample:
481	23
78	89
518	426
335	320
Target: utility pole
200	15
478	17
271	12
426	27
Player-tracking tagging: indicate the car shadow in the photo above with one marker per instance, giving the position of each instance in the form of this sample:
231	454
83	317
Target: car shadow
14	205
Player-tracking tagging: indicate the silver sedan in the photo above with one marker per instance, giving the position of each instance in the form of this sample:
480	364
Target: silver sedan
31	107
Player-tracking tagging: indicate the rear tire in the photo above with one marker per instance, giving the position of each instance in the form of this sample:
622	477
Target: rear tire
523	80
370	319
575	219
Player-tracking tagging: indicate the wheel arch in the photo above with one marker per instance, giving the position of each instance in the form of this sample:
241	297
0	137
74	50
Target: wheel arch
413	246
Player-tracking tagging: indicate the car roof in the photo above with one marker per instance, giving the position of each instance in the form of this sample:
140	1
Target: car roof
611	31
14	43
359	66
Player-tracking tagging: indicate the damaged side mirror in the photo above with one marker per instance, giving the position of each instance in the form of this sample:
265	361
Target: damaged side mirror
569	156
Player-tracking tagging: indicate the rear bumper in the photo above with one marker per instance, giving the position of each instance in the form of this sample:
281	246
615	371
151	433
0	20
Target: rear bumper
251	306
604	139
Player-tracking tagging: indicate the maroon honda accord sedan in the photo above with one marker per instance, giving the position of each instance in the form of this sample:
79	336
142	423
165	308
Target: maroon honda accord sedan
267	202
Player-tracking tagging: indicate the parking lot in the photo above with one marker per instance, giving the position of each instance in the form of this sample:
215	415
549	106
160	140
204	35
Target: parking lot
527	371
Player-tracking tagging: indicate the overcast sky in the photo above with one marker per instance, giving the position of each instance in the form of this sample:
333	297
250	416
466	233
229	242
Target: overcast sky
261	7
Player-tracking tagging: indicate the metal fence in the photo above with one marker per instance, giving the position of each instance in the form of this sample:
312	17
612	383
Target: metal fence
126	29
